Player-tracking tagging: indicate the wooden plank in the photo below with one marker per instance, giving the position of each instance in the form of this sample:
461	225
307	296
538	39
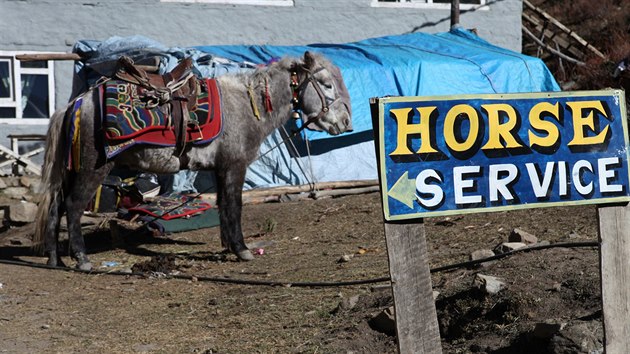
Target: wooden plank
28	164
416	317
548	34
614	232
563	28
48	56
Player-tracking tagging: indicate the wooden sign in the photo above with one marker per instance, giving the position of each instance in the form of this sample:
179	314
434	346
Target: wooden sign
454	155
461	154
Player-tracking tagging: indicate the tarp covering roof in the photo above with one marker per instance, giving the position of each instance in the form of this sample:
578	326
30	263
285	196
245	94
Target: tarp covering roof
415	64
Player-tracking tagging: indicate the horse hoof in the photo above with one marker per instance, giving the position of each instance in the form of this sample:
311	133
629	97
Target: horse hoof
83	262
245	255
87	266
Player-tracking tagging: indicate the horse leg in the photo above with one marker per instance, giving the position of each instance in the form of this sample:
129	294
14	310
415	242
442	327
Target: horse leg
51	238
80	194
229	199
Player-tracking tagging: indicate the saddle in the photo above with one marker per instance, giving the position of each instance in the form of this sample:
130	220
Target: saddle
174	93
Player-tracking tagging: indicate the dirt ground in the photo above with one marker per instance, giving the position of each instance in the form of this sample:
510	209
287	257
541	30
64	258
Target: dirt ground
55	311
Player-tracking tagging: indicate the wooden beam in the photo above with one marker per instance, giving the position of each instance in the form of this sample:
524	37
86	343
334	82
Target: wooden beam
48	56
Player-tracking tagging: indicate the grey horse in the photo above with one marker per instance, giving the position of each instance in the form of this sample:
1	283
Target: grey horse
311	84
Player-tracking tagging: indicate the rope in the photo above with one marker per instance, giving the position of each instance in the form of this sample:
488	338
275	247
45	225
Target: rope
303	284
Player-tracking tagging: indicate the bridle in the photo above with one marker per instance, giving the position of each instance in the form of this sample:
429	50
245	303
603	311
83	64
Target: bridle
298	89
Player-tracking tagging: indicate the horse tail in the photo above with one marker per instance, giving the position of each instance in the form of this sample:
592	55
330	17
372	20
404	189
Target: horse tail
53	176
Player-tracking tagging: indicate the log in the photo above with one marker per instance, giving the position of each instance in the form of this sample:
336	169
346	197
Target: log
48	56
304	188
301	192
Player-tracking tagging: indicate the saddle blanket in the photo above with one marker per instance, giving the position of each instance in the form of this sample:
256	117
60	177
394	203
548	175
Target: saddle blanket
127	121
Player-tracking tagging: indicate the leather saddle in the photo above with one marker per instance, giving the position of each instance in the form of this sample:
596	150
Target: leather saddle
174	93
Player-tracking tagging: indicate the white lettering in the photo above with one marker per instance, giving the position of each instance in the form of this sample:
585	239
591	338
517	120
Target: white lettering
422	187
459	184
497	185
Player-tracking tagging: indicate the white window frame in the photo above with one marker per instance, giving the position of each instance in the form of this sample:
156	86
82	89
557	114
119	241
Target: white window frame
15	101
428	4
239	2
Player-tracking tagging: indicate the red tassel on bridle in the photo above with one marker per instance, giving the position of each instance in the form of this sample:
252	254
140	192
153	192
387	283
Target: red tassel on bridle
267	100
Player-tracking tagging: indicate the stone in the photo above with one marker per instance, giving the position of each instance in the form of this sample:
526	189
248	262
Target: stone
345	258
578	337
22	212
481	254
346	304
15	192
384	322
518	235
3	185
26	181
488	284
509	247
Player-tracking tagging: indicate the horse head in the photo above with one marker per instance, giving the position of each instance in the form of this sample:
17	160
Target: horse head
320	93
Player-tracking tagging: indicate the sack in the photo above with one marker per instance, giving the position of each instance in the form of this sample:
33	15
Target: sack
107	196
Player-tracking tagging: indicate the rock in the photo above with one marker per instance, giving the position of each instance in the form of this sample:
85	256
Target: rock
578	337
481	254
546	330
435	295
509	247
518	235
573	235
26	181
384	322
15	192
489	284
11	182
22	212
346	304
345	258
3	185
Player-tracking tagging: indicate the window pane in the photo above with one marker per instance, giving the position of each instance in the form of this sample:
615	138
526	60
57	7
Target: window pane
7	112
34	64
5	79
35	96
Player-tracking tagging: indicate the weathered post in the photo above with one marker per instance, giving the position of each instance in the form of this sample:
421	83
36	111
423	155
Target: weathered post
454	12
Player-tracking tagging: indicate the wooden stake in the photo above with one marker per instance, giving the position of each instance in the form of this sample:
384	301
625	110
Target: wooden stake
614	235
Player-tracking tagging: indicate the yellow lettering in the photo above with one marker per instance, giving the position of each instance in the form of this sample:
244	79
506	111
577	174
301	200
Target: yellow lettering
579	122
496	130
405	129
449	127
536	122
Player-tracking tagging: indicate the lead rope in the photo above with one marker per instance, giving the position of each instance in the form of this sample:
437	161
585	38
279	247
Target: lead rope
311	181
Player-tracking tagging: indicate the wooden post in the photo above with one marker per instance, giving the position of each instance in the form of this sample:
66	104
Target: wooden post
454	12
614	235
416	317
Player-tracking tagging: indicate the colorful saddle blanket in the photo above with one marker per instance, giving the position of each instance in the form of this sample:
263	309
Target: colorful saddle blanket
128	121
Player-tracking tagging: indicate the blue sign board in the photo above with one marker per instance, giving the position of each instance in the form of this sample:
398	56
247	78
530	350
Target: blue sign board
459	154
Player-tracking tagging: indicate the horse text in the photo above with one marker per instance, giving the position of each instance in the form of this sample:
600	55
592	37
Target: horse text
443	155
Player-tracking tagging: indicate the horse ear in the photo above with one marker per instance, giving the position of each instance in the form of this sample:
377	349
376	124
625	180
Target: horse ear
309	60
